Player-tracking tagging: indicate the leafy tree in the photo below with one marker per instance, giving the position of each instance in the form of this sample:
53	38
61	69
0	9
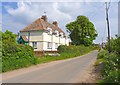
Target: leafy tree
8	37
82	31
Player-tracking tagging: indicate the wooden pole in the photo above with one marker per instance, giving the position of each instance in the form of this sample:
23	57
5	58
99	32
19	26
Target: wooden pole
107	19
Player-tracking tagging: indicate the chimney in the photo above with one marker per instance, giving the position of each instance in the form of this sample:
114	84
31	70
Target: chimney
44	17
55	23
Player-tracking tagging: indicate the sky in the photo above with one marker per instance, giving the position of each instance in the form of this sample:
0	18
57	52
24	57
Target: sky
19	14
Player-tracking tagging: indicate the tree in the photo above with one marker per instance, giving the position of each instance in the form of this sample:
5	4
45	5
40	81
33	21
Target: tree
8	37
82	31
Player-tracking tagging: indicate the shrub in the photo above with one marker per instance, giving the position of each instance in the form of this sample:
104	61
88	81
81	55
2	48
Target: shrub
113	77
111	68
102	54
74	50
18	57
15	56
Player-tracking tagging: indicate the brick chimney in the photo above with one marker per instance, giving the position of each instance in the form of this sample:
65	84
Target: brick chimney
55	23
44	17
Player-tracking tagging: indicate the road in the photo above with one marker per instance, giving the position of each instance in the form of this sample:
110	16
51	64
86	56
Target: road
63	71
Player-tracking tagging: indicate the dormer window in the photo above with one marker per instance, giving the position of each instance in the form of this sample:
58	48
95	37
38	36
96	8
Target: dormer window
61	34
49	30
56	33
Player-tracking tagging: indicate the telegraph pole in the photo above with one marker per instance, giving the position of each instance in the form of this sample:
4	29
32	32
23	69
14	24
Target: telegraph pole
107	19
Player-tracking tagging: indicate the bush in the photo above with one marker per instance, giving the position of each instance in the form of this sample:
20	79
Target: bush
114	43
66	52
102	54
15	56
18	57
113	77
111	69
74	50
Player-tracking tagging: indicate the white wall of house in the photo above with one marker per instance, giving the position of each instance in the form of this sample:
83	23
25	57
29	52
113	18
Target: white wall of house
43	39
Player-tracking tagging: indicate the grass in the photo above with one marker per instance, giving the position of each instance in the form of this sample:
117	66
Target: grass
66	52
62	56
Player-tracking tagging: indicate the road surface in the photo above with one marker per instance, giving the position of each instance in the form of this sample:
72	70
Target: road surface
63	71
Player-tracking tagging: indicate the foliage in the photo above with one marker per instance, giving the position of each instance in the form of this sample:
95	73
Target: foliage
67	52
102	54
82	31
111	69
8	36
75	50
114	43
15	56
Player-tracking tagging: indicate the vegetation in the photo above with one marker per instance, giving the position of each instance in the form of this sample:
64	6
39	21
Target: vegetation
82	31
15	56
67	52
0	51
111	61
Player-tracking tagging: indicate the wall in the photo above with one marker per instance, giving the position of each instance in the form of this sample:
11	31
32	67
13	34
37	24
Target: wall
35	36
42	38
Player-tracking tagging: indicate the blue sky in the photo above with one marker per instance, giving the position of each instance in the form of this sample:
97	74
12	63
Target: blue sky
17	15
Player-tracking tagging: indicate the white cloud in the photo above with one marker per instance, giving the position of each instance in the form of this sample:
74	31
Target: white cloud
27	12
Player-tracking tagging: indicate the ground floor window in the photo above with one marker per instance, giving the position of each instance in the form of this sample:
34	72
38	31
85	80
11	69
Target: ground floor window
34	44
56	45
49	45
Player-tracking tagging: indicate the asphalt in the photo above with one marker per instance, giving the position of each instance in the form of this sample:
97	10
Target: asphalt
62	71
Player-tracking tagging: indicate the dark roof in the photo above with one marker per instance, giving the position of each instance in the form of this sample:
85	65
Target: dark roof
40	24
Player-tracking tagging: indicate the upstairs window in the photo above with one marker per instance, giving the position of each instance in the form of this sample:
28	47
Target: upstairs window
56	33
61	34
34	44
49	30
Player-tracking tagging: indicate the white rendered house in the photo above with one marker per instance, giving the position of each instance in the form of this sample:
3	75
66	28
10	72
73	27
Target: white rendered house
43	36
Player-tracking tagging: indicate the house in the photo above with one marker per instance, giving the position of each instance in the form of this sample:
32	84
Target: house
43	36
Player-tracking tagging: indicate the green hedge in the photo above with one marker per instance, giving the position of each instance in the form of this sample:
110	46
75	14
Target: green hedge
17	56
111	61
67	52
73	51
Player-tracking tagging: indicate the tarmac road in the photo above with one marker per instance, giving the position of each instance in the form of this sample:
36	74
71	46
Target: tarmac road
63	71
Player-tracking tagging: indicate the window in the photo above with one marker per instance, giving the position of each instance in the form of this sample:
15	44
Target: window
49	46
61	34
49	30
56	32
56	45
34	44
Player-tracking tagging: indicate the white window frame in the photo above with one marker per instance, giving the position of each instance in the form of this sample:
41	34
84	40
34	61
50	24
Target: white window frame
57	33
56	45
34	44
49	45
49	31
